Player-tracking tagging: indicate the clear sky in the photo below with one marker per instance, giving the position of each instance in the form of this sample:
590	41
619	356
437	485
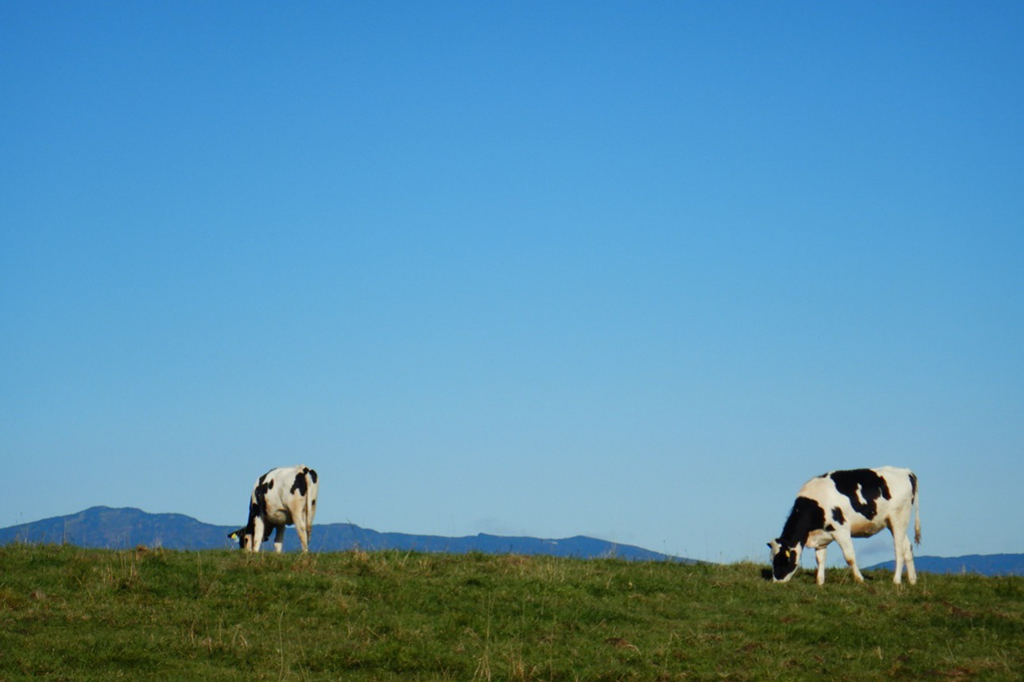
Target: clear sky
628	270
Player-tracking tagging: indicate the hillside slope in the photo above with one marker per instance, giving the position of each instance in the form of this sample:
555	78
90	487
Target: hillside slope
68	613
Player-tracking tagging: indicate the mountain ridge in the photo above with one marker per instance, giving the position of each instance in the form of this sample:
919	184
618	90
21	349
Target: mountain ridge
984	564
126	527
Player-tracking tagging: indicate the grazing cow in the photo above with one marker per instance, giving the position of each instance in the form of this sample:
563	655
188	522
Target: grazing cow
281	497
841	505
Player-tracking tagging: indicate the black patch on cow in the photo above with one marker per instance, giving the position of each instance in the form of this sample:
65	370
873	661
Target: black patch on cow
257	506
869	483
837	516
806	516
913	484
830	528
261	495
312	474
299	484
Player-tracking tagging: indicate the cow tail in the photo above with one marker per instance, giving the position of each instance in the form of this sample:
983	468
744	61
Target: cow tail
309	506
917	514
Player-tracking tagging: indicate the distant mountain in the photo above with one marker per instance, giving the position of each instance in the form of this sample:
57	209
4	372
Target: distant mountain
107	528
984	564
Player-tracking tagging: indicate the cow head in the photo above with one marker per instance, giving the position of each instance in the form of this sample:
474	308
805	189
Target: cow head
785	560
243	536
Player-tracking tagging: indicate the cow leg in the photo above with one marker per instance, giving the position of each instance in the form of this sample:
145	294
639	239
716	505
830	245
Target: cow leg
819	557
302	528
297	507
279	539
257	534
846	544
908	556
899	540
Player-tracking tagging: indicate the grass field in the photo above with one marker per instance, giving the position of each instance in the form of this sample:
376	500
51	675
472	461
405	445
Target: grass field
73	614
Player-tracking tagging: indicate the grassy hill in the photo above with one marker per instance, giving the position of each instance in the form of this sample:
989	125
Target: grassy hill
68	613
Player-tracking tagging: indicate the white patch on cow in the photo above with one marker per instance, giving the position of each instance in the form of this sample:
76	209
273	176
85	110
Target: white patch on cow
860	494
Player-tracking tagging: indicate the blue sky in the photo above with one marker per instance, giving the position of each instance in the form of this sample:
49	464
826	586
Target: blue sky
628	270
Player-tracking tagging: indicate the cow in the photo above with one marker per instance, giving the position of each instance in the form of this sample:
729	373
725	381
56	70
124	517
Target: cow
280	497
841	505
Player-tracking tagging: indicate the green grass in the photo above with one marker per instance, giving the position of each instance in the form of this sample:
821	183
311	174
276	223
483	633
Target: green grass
72	614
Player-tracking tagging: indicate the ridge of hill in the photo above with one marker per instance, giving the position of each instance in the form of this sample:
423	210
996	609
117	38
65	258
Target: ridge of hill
126	527
984	564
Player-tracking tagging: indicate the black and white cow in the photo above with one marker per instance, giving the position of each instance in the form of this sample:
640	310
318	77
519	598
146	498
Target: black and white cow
841	505
280	497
